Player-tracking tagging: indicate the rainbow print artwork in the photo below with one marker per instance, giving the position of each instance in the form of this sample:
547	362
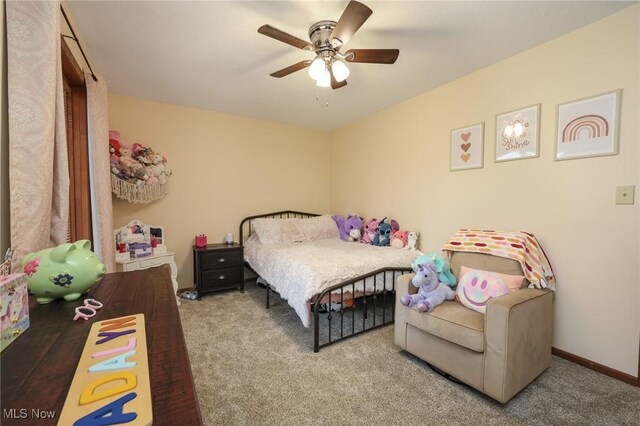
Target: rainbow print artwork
594	126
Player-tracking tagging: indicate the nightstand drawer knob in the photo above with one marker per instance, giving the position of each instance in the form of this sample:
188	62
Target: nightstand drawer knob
222	260
221	277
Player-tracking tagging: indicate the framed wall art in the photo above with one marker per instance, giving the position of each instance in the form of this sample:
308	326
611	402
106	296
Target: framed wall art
588	127
467	147
517	134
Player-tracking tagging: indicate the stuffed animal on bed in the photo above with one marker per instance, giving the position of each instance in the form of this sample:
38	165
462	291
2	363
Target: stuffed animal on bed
370	231
412	240
430	292
385	230
443	269
350	228
399	239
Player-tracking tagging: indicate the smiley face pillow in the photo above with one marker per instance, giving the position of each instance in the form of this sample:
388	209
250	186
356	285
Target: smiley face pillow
476	287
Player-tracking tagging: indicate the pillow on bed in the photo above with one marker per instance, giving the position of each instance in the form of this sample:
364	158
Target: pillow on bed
277	231
283	231
477	287
319	228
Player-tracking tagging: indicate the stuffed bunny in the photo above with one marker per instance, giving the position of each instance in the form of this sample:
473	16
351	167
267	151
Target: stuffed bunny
412	240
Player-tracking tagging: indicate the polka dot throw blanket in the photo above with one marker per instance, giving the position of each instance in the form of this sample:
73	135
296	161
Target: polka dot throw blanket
520	246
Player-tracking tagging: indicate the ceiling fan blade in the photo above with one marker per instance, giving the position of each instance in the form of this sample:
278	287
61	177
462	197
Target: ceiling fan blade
279	35
335	84
352	18
290	69
372	56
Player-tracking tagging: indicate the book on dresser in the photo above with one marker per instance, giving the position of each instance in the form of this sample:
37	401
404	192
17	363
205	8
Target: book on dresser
218	267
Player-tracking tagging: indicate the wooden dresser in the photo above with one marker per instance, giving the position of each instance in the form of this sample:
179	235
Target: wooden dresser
218	267
38	367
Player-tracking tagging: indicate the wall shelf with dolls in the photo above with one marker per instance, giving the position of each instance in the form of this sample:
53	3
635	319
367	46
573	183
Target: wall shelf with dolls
138	174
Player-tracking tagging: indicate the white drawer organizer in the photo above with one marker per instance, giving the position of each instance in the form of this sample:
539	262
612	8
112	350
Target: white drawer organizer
136	231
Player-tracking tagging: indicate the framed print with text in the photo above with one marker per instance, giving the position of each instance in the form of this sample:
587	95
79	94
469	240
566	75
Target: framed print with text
517	134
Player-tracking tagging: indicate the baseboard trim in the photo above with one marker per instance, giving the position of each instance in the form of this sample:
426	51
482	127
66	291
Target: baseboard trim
619	375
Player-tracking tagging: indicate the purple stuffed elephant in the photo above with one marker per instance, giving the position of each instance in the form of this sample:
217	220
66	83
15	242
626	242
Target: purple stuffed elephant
350	228
431	293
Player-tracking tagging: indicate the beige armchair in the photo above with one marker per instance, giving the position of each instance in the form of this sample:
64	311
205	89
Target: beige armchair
498	353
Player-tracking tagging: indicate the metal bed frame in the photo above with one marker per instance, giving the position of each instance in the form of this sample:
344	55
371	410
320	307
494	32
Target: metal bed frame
370	309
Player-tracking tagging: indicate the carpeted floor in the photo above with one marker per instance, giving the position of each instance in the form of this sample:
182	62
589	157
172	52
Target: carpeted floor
256	366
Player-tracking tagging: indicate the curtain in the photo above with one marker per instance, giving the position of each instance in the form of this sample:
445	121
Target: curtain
99	172
38	169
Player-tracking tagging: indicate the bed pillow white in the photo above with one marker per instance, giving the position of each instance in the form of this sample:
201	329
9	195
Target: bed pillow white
319	228
283	231
277	231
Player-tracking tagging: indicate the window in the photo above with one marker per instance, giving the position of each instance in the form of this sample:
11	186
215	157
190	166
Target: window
75	108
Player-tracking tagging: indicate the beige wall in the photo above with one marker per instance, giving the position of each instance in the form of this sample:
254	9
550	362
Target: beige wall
403	171
224	169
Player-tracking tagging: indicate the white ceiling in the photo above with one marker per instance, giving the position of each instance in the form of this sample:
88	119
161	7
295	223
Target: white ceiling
209	54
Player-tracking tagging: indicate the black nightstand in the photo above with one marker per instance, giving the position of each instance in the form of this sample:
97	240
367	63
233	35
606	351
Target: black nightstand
218	267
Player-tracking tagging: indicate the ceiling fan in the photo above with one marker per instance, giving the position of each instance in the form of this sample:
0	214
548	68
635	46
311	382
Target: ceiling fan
327	37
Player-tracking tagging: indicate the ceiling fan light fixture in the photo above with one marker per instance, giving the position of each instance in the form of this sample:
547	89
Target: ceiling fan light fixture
317	68
324	80
340	71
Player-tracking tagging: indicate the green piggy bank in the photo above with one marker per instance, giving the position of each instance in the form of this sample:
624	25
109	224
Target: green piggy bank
66	271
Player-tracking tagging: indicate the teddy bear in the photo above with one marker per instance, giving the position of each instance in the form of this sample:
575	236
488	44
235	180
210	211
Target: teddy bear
385	230
130	166
431	293
350	228
412	240
370	231
399	239
158	169
443	269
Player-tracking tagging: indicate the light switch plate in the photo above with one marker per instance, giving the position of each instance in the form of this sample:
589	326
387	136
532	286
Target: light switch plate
625	194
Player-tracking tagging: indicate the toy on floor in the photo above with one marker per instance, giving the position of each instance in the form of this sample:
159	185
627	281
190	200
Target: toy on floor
399	239
370	231
350	228
385	230
443	269
430	292
412	240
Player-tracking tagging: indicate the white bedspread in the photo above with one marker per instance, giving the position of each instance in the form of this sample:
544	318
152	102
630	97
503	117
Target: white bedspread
299	271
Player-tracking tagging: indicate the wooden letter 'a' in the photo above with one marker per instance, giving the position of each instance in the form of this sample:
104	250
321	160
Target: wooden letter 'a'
88	396
110	414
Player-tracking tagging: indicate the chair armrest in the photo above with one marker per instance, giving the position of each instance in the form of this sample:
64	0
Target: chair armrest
518	331
403	286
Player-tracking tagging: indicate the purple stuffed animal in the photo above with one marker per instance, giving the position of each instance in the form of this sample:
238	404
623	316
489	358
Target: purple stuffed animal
431	293
350	228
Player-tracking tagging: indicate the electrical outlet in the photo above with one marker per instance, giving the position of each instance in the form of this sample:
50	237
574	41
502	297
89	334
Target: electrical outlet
625	194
